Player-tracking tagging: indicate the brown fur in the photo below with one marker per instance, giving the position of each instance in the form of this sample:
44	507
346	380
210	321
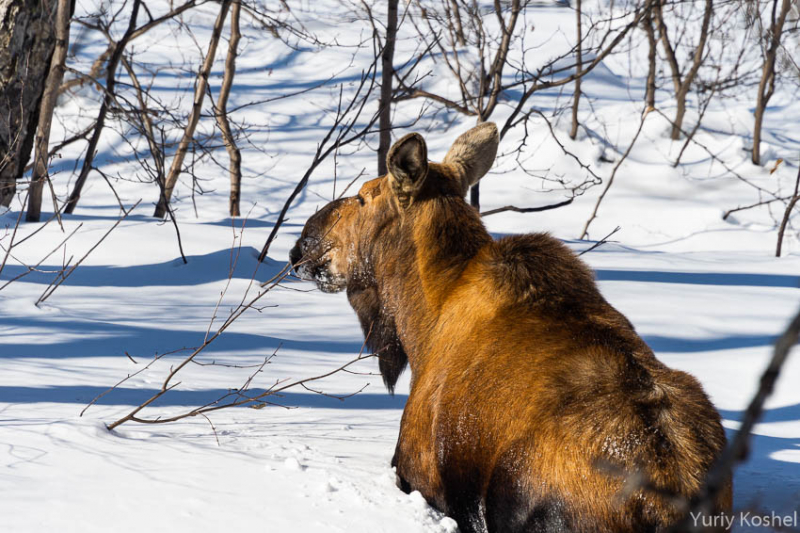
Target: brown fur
525	381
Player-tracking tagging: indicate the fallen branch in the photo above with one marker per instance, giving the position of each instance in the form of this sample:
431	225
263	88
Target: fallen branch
167	385
526	209
126	378
729	212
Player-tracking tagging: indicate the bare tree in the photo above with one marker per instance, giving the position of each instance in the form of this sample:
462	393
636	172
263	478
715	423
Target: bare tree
221	113
48	105
69	268
387	72
27	41
100	65
541	79
610	181
60	273
683	82
194	117
108	99
483	73
480	81
576	99
766	86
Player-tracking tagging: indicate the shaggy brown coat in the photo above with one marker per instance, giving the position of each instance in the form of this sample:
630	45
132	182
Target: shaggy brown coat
527	386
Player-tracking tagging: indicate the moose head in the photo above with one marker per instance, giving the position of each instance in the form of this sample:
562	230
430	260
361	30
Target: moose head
340	243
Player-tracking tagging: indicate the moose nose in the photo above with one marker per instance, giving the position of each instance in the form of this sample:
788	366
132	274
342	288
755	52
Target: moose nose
295	254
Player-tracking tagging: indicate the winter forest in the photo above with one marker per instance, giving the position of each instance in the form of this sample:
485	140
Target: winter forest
164	366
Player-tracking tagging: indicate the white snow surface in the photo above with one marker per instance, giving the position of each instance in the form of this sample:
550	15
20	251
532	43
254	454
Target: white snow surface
707	294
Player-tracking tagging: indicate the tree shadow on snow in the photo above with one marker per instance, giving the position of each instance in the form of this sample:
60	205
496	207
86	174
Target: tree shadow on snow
770	478
79	338
82	395
199	269
700	278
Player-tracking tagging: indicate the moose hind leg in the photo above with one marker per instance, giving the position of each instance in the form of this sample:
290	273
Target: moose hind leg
399	480
462	494
512	507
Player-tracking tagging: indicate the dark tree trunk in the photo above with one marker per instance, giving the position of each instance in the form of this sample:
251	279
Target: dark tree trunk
27	41
650	95
387	71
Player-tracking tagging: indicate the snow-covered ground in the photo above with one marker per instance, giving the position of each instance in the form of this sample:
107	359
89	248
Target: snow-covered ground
706	293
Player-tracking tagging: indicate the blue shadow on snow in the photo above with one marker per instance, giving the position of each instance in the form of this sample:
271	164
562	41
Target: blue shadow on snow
190	398
701	278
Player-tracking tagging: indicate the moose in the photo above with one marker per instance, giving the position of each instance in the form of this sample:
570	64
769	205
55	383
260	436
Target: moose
533	401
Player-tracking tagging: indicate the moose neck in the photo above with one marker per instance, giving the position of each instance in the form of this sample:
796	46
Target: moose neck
438	238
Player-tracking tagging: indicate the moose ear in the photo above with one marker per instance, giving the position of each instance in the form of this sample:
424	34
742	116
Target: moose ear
473	153
407	162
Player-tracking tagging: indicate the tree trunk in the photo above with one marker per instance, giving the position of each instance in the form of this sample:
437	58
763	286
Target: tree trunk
387	71
234	155
650	95
578	66
787	214
761	104
680	112
459	26
682	90
767	84
27	41
49	98
194	116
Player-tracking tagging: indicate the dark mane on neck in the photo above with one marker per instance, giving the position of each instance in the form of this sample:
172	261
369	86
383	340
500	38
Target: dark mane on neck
380	333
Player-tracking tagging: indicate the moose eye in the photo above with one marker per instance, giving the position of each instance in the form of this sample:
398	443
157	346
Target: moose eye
360	199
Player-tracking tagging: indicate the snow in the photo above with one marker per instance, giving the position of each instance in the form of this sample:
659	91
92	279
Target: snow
705	293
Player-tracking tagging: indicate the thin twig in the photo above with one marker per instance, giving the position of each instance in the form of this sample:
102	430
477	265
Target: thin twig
64	275
585	232
600	242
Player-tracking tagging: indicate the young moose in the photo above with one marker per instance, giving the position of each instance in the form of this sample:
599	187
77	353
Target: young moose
531	397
